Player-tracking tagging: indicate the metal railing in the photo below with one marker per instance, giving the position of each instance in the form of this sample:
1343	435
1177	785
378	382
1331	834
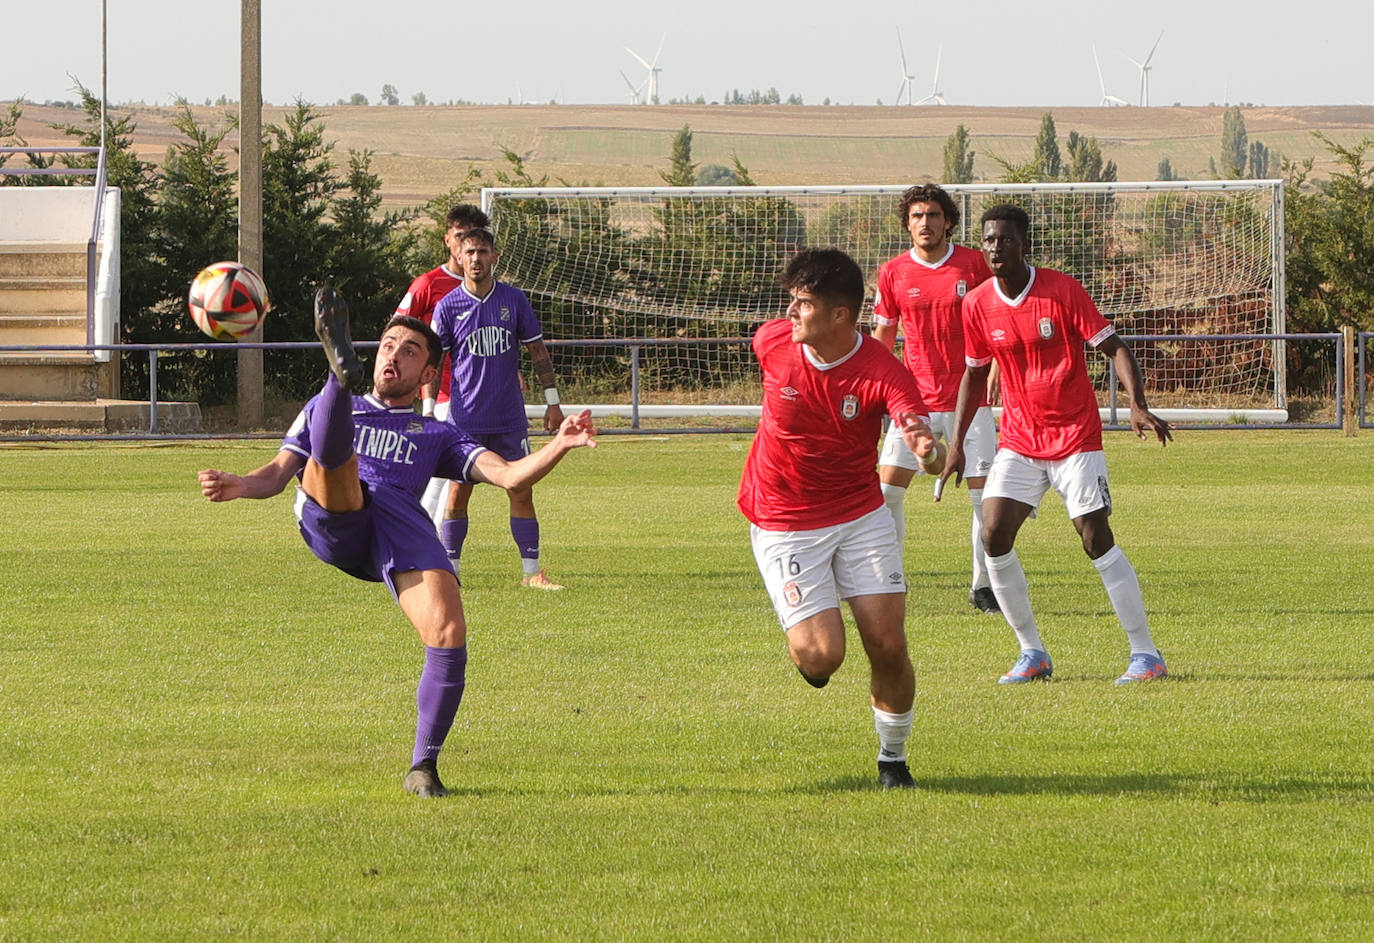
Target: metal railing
98	172
636	346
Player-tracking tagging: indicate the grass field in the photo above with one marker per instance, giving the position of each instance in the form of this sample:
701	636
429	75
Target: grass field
203	730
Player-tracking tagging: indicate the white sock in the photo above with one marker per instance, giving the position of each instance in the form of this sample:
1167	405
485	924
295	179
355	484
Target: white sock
893	497
1123	589
1009	585
529	565
893	732
980	555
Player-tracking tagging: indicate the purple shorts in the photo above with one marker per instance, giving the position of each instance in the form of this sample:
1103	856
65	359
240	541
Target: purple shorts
389	535
512	446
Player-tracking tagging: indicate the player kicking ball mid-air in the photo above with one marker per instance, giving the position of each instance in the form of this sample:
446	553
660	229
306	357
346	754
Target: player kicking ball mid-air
1034	323
818	527
362	464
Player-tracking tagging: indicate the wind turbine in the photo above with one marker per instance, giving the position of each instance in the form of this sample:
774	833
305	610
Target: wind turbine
936	97
907	77
634	92
653	68
1144	68
1107	100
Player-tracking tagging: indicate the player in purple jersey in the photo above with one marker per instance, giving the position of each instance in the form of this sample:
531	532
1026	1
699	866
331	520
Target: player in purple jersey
362	463
482	324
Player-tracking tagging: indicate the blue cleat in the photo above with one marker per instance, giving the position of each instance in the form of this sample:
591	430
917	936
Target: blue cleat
1143	667
1029	666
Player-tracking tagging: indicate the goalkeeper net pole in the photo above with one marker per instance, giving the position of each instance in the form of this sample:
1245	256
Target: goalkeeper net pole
1197	262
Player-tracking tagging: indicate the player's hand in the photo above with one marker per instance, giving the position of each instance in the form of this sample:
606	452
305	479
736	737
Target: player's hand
578	430
922	442
553	418
1143	422
219	485
954	465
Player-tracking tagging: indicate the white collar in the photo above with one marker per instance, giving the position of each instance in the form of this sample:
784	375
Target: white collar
949	251
822	365
1016	302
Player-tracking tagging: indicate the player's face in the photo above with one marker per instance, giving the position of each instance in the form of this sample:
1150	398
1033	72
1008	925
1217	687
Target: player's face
928	226
479	261
402	364
813	319
1004	247
454	240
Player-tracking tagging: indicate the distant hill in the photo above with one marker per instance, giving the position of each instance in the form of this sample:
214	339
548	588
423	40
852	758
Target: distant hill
422	151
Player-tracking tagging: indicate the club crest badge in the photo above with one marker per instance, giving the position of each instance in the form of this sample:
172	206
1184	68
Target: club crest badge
1046	328
849	406
792	593
414	426
505	313
961	288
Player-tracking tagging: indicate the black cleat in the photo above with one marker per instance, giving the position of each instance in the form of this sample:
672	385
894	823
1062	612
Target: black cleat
331	327
423	781
984	600
893	774
814	682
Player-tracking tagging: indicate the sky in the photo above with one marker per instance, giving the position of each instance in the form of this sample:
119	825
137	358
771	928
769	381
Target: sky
994	53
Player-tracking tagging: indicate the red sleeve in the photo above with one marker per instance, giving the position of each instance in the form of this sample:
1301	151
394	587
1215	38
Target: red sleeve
1089	322
882	305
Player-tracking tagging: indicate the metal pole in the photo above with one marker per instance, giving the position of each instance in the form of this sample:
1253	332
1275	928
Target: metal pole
152	392
634	386
1111	388
104	73
250	379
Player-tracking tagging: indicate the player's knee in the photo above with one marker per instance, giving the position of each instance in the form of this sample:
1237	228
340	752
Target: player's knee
816	658
446	633
887	651
997	542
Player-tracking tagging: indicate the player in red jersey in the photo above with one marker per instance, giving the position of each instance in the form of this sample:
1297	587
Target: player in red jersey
922	290
420	300
1034	322
818	527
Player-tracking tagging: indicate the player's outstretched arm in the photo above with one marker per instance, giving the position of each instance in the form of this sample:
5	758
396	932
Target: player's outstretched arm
575	432
917	435
265	482
1143	422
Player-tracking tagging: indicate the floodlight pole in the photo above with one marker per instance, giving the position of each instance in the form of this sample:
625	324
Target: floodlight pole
104	72
250	396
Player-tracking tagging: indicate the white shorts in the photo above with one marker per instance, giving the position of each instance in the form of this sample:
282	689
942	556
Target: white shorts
1080	479
435	498
980	443
810	571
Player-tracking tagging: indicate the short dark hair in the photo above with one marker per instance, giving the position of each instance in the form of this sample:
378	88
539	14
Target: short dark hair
483	236
467	216
931	193
1007	212
436	346
827	273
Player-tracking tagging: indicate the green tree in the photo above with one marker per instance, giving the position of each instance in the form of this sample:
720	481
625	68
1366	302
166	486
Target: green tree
1259	161
716	175
370	253
1047	158
682	173
1165	170
1234	149
390	96
1085	162
419	99
958	157
357	98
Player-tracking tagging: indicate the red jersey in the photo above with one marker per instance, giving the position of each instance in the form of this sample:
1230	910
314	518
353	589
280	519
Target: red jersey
424	295
814	459
1049	406
925	297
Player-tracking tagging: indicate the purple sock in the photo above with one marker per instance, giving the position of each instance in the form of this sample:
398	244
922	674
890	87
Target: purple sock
331	426
525	530
453	531
437	699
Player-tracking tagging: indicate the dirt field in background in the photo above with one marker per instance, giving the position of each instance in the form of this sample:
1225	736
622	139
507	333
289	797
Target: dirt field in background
423	151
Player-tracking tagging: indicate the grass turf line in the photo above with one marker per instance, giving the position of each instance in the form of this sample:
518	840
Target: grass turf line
203	730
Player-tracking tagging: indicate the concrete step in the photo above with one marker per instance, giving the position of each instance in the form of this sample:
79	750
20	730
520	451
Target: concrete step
42	296
28	329
97	416
57	376
43	258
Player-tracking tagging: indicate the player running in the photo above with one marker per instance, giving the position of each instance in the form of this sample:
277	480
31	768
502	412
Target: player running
922	290
1033	322
482	324
362	462
818	527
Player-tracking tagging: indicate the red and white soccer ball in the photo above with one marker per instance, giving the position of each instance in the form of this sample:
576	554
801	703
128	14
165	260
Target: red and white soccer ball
227	300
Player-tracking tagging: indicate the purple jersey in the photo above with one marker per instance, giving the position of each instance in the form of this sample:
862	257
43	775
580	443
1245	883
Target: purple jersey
396	446
482	337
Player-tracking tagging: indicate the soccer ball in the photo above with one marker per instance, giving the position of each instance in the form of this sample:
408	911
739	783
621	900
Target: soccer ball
227	300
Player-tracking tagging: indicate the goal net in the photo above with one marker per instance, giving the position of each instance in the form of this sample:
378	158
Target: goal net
1191	269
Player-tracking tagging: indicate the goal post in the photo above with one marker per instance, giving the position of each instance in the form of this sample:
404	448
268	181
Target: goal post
1192	268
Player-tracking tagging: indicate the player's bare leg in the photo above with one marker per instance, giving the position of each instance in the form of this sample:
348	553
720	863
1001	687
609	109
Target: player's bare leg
816	645
431	601
330	476
881	620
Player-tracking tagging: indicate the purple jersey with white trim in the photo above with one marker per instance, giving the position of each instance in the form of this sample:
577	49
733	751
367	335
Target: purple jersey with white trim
482	337
395	445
